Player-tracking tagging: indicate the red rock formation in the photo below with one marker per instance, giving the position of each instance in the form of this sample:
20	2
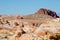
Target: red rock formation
19	17
47	12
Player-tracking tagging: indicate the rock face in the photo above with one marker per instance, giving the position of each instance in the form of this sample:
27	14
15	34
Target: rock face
47	12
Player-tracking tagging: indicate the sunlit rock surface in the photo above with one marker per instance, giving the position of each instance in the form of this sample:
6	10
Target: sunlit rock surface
44	26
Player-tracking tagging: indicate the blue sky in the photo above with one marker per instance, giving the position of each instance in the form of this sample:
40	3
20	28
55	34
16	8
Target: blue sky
25	7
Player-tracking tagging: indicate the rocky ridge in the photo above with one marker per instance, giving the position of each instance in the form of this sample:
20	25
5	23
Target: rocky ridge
47	12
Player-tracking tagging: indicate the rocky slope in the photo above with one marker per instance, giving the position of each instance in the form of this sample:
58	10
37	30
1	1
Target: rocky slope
42	13
43	25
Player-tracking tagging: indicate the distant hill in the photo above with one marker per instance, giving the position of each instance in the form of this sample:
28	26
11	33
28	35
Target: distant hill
47	12
37	16
42	13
